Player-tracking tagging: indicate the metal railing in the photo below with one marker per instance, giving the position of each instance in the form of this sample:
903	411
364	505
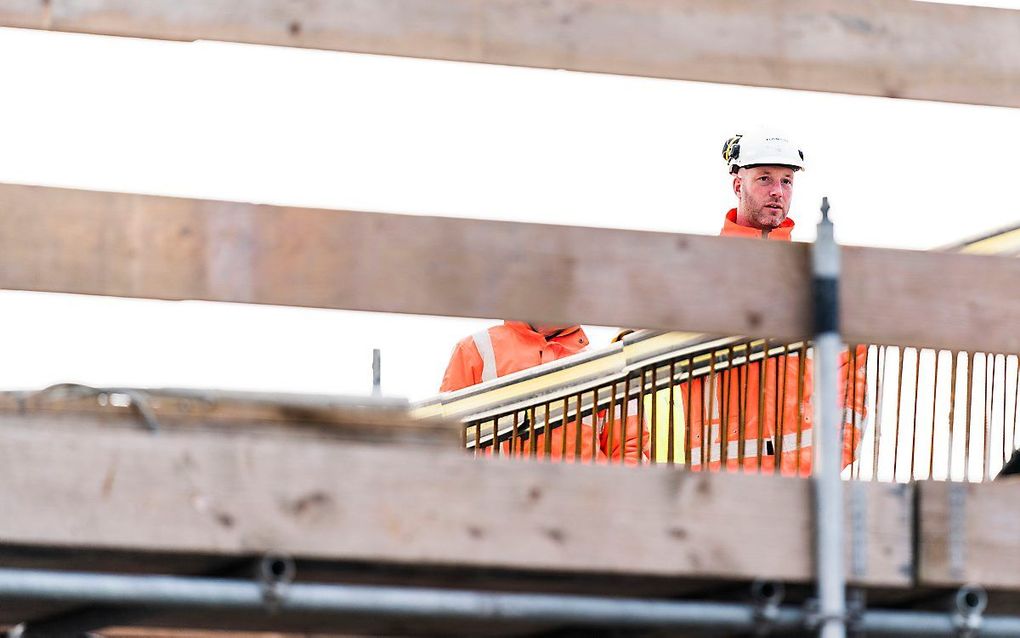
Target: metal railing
909	413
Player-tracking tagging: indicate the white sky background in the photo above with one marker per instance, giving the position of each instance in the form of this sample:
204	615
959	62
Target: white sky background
334	130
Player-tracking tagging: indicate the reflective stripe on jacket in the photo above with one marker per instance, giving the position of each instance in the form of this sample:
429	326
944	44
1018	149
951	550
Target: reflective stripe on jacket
736	399
737	396
505	349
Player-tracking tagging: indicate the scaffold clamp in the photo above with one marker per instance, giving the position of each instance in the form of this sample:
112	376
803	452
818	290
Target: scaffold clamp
767	596
275	573
971	602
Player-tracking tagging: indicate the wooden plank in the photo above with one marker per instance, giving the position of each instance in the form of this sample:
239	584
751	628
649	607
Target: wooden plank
167	248
893	48
976	544
352	419
930	299
201	492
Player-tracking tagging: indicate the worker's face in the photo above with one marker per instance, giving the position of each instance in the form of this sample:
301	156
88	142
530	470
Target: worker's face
764	194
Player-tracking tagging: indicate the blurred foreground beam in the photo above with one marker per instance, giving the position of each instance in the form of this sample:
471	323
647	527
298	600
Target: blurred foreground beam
126	245
199	491
968	534
892	48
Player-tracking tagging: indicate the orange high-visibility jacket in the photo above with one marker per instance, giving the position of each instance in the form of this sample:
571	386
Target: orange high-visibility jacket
515	346
737	396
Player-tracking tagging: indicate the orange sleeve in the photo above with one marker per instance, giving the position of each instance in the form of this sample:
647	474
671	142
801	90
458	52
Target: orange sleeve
465	367
854	400
637	435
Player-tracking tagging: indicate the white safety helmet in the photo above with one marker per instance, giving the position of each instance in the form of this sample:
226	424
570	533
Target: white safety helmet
741	151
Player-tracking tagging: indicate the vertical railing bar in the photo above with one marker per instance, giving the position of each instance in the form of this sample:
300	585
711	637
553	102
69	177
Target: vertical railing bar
952	412
563	428
986	399
854	418
514	443
989	398
594	425
1006	374
495	434
671	437
856	426
1016	404
478	437
654	441
762	371
689	417
849	401
934	403
743	376
611	418
577	428
706	450
532	443
879	404
725	410
900	352
641	417
868	376
801	367
547	434
623	419
781	386
971	358
913	425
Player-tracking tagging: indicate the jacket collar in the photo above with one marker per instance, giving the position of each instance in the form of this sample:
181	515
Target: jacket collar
525	328
732	229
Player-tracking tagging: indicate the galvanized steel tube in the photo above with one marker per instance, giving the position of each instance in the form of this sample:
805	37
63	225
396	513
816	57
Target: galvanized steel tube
827	461
338	601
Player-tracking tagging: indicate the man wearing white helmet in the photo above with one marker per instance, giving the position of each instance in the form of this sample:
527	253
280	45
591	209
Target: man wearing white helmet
737	431
763	168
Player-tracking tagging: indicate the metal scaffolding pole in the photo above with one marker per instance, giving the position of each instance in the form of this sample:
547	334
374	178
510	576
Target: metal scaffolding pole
332	603
826	481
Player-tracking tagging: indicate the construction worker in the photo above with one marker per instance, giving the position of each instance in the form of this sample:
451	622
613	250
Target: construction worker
763	169
518	345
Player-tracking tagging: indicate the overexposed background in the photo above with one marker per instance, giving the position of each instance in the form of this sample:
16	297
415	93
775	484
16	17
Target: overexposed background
346	131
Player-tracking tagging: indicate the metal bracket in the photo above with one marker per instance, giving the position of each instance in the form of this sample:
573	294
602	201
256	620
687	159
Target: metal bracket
767	597
858	529
856	605
971	602
275	573
814	618
137	400
957	530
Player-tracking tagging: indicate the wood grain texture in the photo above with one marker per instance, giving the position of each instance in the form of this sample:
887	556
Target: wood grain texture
168	248
200	492
990	552
893	48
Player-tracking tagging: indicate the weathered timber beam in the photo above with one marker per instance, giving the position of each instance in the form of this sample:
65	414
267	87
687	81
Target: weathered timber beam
894	48
197	492
167	248
968	534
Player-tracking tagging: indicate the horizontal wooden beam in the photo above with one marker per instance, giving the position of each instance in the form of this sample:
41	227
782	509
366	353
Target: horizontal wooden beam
201	492
167	248
893	48
968	534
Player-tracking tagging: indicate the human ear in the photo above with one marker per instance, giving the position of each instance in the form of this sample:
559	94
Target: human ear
736	186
